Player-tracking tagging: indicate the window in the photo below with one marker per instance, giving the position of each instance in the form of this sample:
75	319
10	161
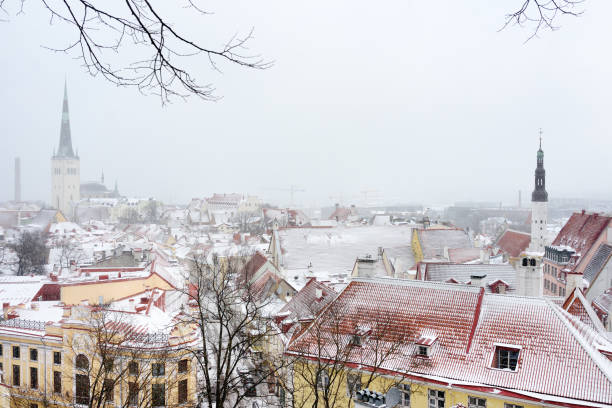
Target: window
436	399
405	395
82	362
182	391
33	378
322	380
16	379
158	369
82	389
158	395
423	351
108	388
355	340
33	354
57	357
108	363
353	384
1	353
133	368
182	366
506	358
132	394
57	382
475	402
512	406
16	352
32	405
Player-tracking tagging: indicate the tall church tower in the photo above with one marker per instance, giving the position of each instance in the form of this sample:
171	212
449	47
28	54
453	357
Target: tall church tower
65	169
539	206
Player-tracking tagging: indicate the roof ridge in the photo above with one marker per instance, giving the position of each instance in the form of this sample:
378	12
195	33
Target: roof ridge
414	282
599	360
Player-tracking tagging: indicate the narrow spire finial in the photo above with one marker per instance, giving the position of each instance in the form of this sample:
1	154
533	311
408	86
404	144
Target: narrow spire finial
541	138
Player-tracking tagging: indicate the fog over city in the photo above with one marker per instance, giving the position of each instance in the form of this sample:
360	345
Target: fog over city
324	204
422	102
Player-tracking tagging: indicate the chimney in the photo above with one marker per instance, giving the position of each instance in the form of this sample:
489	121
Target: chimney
17	179
484	255
478	280
5	309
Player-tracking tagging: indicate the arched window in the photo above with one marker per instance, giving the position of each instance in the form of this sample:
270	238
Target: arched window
524	261
82	362
532	262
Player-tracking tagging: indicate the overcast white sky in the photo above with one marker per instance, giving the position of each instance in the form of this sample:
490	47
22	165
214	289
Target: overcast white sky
423	101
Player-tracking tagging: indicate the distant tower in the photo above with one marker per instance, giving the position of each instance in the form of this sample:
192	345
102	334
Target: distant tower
65	169
529	276
539	205
17	179
102	178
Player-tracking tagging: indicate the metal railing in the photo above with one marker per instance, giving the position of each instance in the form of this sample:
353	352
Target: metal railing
23	324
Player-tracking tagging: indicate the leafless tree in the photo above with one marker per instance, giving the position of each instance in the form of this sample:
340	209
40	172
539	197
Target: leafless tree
334	345
233	358
69	251
105	356
31	253
160	50
542	14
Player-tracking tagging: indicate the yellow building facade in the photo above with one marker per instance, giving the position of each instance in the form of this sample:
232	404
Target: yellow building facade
399	392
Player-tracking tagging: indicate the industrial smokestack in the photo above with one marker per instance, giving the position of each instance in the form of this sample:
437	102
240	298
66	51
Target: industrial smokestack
17	179
520	203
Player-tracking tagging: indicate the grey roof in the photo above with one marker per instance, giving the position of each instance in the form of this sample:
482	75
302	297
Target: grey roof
604	301
433	241
598	261
65	144
442	272
402	258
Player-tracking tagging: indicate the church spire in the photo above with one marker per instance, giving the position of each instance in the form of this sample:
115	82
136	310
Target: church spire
65	145
539	193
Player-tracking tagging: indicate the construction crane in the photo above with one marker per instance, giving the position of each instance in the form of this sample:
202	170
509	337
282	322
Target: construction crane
292	190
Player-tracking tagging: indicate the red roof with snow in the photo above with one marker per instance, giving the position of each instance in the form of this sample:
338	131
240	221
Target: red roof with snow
555	360
306	303
513	242
580	233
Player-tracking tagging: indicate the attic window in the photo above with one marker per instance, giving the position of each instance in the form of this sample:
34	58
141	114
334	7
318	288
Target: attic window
423	346
506	357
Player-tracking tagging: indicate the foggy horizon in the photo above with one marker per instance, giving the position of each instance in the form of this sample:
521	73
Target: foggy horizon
424	104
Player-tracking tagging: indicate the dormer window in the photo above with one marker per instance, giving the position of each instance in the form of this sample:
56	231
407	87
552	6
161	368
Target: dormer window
355	340
506	357
423	346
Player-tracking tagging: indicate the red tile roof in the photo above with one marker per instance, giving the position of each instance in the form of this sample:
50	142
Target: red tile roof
468	324
513	242
305	303
251	267
580	233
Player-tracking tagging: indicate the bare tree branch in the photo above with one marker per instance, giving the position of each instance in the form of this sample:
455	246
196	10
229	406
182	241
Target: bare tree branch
542	14
137	28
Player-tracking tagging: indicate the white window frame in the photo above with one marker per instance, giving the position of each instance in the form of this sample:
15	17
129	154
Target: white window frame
475	404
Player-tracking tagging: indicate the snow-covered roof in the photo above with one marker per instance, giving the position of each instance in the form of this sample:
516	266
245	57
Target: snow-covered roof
469	324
